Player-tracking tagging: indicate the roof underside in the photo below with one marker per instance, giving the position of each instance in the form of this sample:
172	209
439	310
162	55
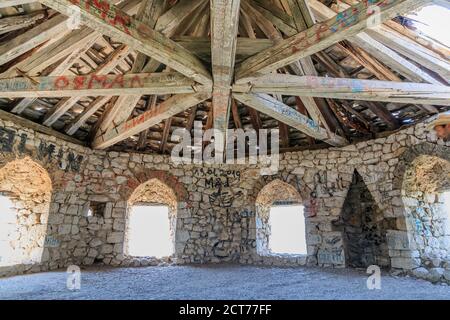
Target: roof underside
36	44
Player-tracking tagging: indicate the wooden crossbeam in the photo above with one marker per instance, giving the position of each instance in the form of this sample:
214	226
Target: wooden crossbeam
48	31
170	20
349	89
407	47
321	36
9	24
111	21
224	28
96	85
376	49
65	104
161	112
10	3
149	13
282	112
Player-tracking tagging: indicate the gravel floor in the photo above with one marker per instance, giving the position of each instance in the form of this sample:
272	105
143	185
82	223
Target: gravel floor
218	282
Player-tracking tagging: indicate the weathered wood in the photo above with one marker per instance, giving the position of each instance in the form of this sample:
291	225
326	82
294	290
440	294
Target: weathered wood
161	112
95	85
81	119
111	21
149	13
77	41
281	112
168	22
9	24
10	3
224	28
407	47
381	112
349	89
245	47
37	127
302	67
321	36
378	50
50	30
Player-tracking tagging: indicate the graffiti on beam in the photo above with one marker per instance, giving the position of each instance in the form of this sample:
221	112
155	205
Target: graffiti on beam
46	152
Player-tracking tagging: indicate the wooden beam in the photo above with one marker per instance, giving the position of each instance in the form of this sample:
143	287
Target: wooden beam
95	85
48	31
65	104
10	3
112	21
321	36
170	20
281	112
37	127
349	89
9	24
224	28
383	113
378	50
161	112
71	44
89	112
149	13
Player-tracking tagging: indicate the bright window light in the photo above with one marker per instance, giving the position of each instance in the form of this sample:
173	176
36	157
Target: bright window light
432	21
288	234
149	232
7	229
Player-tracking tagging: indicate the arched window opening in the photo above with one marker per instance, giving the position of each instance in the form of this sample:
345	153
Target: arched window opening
426	196
25	193
8	231
287	226
280	221
151	223
149	231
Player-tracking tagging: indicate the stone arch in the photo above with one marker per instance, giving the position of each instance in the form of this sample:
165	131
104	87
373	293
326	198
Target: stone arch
29	187
155	191
415	211
427	217
275	191
141	177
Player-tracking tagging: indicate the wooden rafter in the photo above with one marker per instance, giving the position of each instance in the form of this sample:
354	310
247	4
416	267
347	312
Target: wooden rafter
99	85
136	35
279	111
353	89
321	36
161	112
224	28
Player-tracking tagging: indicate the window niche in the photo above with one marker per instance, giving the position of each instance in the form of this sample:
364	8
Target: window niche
280	221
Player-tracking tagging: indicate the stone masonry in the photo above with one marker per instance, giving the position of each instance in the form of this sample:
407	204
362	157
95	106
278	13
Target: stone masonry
218	210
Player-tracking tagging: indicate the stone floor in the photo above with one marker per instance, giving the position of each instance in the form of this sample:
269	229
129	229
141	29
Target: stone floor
218	282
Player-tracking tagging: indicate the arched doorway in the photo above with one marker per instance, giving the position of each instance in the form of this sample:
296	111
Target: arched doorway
364	227
280	220
151	221
25	194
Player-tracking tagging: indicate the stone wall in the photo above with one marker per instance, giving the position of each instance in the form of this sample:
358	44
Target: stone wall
217	205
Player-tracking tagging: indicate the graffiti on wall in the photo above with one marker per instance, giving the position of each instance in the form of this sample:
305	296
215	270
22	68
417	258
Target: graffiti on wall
46	152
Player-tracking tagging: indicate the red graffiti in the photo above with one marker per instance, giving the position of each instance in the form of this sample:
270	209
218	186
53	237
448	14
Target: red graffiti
61	83
107	12
96	82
